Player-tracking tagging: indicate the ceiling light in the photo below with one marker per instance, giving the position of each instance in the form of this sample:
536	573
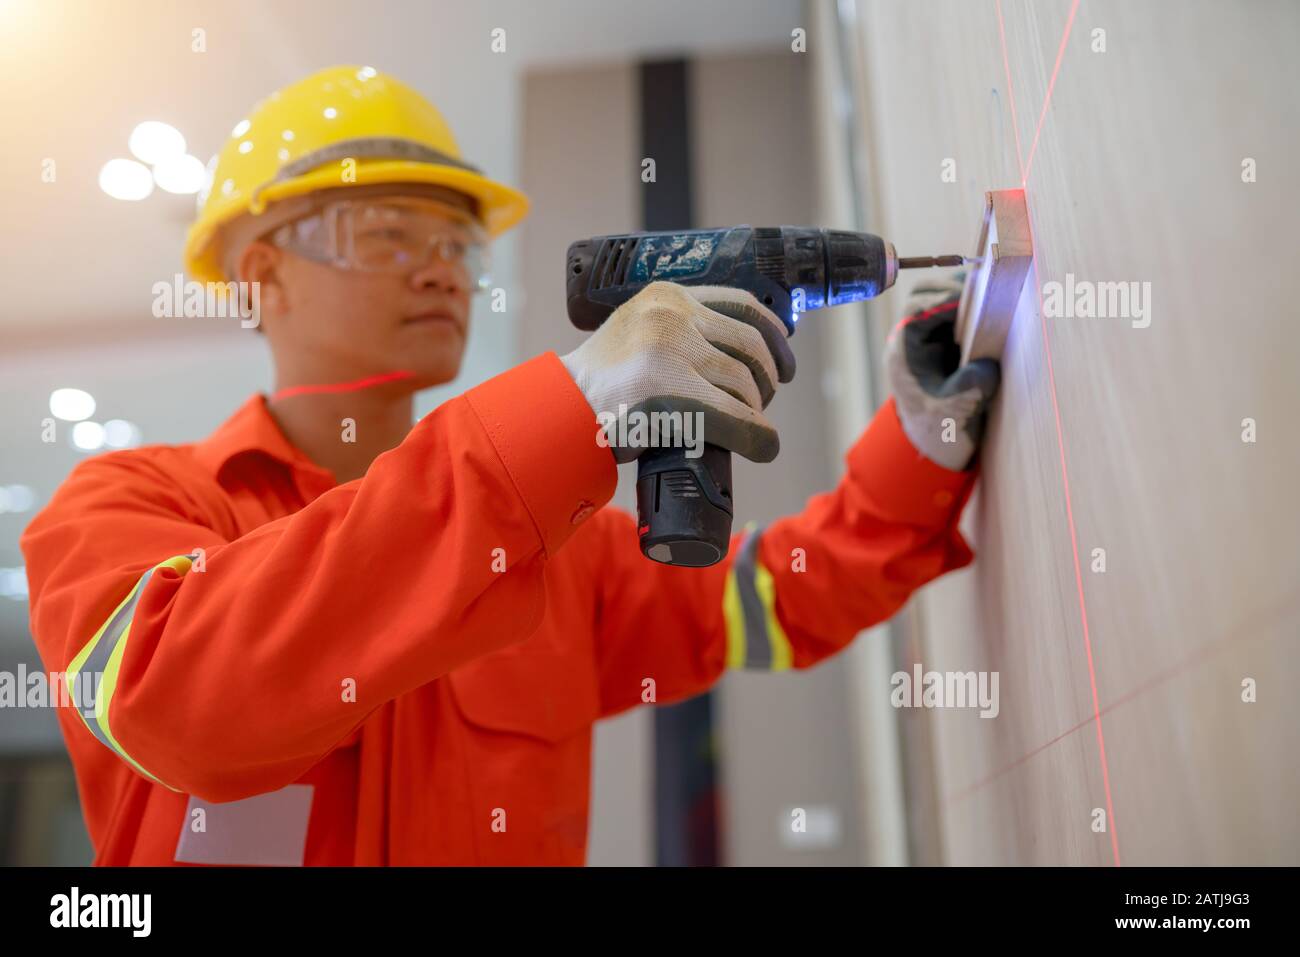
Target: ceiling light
88	436
16	498
182	174
72	405
153	141
13	583
121	434
125	179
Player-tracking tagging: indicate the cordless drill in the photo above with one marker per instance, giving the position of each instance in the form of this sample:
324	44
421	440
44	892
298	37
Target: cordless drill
684	504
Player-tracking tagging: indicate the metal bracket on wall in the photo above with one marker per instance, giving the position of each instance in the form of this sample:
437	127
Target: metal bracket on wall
988	302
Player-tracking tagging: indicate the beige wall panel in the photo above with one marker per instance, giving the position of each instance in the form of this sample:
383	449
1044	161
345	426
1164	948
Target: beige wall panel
1136	176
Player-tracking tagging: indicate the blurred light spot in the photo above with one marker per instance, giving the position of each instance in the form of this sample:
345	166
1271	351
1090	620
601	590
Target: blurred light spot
181	174
125	179
72	405
16	498
153	141
330	112
282	155
13	583
209	173
366	73
241	128
121	434
822	829
88	436
287	136
227	187
246	146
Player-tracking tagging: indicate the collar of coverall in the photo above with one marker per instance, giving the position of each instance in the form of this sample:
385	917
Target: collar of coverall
251	429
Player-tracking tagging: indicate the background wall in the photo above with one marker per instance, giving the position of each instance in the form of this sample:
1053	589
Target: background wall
1120	689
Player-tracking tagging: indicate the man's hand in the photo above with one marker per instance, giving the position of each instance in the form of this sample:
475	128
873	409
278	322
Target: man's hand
941	404
672	348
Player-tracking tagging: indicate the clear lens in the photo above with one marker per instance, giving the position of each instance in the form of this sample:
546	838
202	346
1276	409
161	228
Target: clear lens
309	237
397	235
401	235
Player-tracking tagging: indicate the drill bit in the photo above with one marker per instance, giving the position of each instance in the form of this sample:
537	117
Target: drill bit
920	262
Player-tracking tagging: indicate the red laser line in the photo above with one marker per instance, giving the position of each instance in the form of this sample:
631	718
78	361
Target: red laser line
1245	631
1007	768
1060	54
906	320
343	386
1078	571
1011	94
1056	411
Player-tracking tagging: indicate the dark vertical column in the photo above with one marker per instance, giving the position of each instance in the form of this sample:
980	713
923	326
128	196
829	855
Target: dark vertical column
686	799
666	138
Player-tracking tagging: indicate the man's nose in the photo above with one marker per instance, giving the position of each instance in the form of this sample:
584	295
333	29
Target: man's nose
439	274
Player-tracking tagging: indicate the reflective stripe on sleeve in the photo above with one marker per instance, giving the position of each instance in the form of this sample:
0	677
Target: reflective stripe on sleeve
755	639
101	659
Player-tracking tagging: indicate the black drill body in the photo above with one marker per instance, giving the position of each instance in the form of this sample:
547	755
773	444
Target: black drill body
684	504
790	269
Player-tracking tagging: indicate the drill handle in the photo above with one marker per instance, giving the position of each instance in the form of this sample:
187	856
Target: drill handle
683	505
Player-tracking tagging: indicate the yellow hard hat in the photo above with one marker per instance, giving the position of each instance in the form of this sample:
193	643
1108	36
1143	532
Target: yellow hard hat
346	125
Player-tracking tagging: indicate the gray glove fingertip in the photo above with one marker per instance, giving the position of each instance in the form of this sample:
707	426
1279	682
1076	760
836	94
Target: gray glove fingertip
982	374
747	309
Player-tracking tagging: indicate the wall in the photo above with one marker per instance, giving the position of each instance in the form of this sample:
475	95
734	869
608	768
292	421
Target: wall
1121	689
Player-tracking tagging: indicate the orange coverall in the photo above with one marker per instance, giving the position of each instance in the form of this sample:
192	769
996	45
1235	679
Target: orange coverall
405	668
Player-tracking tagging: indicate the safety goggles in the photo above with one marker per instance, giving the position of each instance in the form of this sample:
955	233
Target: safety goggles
395	235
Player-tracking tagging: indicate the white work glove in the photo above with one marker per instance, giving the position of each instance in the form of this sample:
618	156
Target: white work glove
941	403
671	348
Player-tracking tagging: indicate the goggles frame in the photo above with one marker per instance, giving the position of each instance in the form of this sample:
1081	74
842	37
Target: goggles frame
328	235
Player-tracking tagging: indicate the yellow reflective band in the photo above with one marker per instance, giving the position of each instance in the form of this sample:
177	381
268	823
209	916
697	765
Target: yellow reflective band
782	652
105	697
735	618
755	639
74	669
103	654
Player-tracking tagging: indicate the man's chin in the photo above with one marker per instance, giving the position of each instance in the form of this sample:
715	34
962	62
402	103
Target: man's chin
432	369
434	349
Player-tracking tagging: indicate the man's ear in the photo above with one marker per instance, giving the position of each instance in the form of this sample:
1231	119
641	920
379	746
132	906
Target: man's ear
260	262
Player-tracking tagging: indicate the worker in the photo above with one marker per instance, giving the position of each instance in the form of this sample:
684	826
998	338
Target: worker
327	635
